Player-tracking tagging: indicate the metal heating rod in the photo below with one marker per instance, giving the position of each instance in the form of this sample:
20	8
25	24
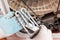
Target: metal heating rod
24	11
22	23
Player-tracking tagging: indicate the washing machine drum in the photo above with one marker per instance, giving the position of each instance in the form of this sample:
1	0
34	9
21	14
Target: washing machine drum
40	7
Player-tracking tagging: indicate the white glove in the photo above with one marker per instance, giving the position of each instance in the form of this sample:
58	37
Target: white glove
3	35
44	34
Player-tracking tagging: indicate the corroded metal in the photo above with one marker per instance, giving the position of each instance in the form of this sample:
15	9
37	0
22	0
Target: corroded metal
38	6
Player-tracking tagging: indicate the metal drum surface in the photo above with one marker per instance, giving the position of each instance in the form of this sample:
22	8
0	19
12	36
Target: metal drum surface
40	7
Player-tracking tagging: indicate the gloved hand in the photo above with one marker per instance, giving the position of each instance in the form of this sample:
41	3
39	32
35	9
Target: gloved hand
44	34
8	25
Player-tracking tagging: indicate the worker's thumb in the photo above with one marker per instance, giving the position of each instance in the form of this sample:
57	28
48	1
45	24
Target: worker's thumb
45	34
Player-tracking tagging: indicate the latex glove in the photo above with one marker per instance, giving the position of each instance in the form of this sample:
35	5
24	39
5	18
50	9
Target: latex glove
44	34
8	26
3	35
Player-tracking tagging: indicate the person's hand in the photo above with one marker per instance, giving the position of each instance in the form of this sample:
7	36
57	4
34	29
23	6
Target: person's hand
3	35
44	34
8	25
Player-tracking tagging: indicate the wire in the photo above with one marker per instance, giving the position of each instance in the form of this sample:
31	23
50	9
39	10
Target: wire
56	13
